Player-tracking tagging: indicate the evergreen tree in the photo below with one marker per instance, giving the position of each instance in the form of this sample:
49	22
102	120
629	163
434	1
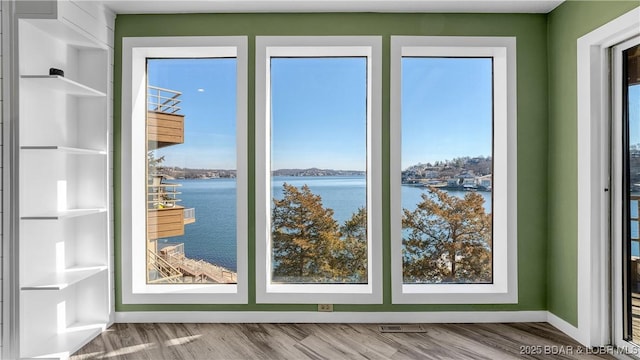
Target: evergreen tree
305	238
447	239
153	163
354	235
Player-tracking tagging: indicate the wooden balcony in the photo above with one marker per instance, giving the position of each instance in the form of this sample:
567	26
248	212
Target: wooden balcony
165	218
164	129
166	222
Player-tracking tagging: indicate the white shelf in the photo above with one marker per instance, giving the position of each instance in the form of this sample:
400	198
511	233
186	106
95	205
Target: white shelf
60	30
64	148
63	345
64	279
64	214
67	149
61	83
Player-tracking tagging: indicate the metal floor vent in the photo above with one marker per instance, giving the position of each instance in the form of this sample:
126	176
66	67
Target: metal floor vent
402	328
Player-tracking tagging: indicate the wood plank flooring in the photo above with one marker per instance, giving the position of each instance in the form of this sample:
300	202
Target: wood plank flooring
331	341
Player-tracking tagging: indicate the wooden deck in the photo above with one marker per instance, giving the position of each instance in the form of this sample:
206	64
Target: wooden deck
197	270
331	341
203	271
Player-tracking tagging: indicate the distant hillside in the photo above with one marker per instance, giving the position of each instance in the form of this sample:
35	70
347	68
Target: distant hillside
317	172
481	165
186	173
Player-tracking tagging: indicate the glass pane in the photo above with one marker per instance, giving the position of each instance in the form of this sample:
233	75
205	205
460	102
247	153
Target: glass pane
631	111
191	171
447	145
318	167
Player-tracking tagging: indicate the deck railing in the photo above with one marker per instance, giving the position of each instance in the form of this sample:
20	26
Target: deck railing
200	270
634	218
189	214
172	250
163	100
160	195
166	272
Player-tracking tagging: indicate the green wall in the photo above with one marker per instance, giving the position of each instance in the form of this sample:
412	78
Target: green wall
531	33
566	24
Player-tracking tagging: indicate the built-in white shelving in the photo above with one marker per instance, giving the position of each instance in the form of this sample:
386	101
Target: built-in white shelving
62	30
64	214
66	284
61	279
61	83
67	149
64	344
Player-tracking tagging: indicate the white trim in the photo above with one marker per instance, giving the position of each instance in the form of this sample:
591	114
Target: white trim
562	325
316	46
135	290
505	286
593	156
330	317
383	6
616	206
10	279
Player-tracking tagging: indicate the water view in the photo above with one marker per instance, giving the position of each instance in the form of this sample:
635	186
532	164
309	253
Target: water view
213	236
319	123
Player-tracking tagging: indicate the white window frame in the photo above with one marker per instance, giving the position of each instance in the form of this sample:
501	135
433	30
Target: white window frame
318	46
504	288
135	52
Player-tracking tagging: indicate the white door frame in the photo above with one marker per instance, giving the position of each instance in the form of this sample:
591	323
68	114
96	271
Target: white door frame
617	173
594	317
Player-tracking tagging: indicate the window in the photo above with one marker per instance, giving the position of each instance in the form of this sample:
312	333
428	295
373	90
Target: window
317	170
191	171
453	170
184	173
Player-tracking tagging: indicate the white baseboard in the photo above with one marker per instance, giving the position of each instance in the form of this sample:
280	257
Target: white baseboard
563	326
329	317
347	317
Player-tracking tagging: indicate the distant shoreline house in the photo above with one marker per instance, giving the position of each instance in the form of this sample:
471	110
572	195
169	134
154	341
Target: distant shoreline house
468	174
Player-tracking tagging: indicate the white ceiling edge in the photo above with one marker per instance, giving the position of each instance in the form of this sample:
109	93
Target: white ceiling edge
249	6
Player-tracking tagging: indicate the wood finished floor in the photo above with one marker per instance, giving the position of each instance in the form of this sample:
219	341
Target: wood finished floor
328	341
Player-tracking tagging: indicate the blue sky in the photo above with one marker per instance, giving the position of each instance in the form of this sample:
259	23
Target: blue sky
319	111
208	89
446	109
634	114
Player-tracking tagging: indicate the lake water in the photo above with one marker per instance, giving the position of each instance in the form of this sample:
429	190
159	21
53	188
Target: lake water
213	236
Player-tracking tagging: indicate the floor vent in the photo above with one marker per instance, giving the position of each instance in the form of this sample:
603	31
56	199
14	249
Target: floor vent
402	329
